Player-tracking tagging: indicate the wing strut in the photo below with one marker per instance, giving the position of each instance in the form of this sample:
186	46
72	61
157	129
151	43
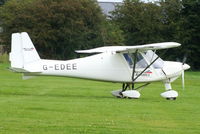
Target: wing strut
148	66
134	65
145	69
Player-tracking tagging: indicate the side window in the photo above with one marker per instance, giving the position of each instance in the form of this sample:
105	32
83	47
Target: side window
141	63
128	59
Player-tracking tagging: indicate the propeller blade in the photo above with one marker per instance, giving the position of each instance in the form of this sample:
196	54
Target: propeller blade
184	59
183	80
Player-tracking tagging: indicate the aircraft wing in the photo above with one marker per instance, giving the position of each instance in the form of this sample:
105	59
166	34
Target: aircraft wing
123	49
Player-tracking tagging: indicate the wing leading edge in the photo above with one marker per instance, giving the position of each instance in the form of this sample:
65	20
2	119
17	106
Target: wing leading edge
124	49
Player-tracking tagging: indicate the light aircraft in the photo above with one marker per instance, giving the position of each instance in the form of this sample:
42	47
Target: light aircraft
119	64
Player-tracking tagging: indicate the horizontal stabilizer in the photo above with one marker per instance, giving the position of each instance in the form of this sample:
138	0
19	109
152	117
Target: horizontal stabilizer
18	70
27	76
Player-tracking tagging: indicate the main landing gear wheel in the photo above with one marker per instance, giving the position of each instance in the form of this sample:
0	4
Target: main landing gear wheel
173	98
117	93
131	93
170	95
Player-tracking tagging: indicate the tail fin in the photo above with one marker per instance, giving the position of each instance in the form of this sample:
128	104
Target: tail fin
23	51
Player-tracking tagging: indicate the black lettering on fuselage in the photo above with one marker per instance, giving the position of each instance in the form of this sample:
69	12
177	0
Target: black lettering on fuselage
45	67
56	66
62	67
74	66
68	66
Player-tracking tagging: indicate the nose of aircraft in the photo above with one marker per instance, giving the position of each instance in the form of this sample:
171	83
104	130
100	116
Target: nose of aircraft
186	66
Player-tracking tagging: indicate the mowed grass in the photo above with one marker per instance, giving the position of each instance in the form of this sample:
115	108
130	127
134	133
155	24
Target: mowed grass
56	105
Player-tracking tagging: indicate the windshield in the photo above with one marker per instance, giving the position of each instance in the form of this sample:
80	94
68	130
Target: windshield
150	55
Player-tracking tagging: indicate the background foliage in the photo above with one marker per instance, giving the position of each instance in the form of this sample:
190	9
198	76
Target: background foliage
57	28
165	21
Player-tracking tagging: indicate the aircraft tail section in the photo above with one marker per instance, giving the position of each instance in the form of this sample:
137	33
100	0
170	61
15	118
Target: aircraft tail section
23	52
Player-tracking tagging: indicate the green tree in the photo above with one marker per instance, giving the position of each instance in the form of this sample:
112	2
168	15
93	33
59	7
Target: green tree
2	2
171	15
189	34
56	27
165	21
112	35
170	18
182	25
140	22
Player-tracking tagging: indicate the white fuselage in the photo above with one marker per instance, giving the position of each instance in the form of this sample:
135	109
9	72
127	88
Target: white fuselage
105	67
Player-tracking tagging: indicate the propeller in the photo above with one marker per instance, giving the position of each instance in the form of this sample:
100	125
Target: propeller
184	59
183	79
183	72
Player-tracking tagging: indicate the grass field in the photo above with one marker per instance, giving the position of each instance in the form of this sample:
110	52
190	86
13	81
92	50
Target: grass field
57	105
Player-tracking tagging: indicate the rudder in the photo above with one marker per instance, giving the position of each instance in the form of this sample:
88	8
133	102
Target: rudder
23	51
16	57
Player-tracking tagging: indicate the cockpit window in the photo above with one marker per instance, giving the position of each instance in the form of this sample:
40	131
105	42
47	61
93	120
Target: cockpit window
128	59
141	61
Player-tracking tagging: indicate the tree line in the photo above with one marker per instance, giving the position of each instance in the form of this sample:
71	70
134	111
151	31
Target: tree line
57	28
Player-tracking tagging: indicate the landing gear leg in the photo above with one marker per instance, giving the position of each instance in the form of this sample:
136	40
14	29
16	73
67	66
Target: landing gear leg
119	93
132	93
169	94
124	88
